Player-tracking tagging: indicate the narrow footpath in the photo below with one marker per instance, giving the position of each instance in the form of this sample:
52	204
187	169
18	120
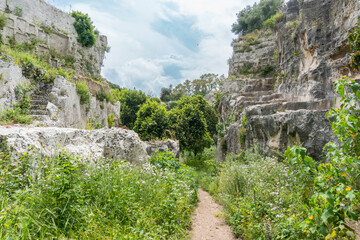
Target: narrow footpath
206	226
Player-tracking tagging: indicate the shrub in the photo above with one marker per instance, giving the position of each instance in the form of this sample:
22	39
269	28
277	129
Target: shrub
165	160
19	114
83	91
2	21
92	124
252	18
85	29
110	120
102	95
18	11
268	69
152	121
130	100
354	43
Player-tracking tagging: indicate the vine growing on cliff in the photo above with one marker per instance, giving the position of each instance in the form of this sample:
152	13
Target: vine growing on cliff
354	44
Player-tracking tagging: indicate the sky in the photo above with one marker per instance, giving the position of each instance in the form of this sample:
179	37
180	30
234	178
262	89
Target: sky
161	42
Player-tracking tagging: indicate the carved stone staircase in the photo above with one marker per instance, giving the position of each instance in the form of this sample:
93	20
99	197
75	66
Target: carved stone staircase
39	101
272	118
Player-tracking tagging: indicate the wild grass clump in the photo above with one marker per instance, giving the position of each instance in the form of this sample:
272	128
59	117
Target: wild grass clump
19	114
64	197
83	90
2	21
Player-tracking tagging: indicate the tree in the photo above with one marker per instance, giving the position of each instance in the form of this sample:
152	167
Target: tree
252	18
165	94
191	128
130	101
201	104
85	29
152	121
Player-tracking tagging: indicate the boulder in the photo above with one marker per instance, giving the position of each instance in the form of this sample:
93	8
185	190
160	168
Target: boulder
91	144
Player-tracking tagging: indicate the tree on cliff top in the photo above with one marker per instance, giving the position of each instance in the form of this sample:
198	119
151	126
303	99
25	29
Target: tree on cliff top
252	18
85	29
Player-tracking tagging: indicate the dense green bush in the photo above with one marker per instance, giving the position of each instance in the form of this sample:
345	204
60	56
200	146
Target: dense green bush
83	90
2	21
252	18
191	128
62	197
18	11
201	104
85	29
152	121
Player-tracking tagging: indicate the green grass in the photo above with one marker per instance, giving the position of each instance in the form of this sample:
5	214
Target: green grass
33	67
83	91
63	197
14	116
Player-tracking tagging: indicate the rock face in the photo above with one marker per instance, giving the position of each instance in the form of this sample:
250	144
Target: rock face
10	77
309	52
102	143
54	31
169	145
55	104
65	110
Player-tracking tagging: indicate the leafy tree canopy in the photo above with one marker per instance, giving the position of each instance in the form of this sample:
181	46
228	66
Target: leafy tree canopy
152	121
130	101
200	103
84	28
191	128
252	18
207	83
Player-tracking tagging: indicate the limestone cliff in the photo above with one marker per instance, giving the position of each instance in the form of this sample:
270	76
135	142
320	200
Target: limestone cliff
55	39
281	82
54	31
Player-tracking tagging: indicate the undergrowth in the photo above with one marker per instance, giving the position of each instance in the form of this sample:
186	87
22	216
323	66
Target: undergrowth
63	197
297	198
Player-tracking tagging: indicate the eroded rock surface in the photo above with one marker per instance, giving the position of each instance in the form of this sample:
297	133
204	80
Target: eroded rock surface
102	143
309	51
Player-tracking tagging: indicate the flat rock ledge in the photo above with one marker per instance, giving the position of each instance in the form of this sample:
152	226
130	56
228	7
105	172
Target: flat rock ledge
91	144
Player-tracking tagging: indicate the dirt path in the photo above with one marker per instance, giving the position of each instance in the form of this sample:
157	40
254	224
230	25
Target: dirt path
205	225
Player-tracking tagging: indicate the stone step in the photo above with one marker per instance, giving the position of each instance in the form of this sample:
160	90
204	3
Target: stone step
39	102
39	117
38	112
38	107
249	85
271	97
258	93
272	108
258	98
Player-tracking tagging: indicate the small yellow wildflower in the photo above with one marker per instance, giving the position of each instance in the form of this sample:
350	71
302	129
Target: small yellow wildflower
348	188
343	117
344	76
304	230
336	109
350	131
344	175
311	217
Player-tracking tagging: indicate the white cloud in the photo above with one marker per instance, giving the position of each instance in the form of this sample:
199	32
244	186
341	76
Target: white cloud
139	53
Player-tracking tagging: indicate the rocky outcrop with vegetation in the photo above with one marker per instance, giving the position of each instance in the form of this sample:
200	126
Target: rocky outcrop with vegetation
281	78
